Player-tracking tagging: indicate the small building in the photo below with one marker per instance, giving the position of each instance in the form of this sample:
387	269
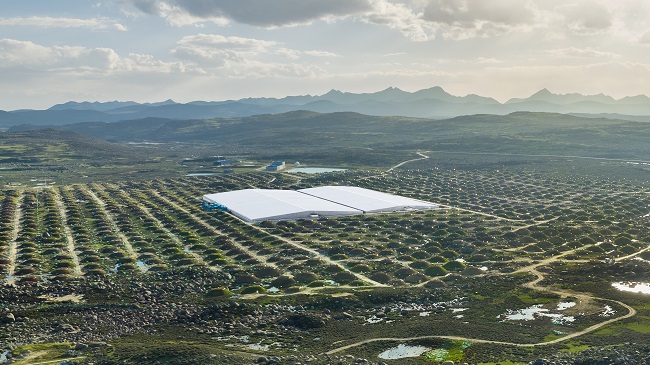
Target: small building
224	162
276	166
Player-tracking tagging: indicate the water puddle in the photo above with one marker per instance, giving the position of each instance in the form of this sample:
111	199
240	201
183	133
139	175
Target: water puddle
536	312
3	357
403	351
374	319
142	265
607	311
565	305
251	346
244	342
642	288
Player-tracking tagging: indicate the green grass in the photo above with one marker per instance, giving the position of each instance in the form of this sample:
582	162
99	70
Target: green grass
640	327
605	332
450	351
573	347
41	352
552	337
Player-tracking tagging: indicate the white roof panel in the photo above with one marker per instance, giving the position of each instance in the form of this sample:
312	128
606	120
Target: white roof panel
369	201
261	204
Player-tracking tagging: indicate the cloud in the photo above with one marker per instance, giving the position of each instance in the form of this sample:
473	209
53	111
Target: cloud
293	54
418	20
242	56
462	19
261	13
488	61
394	54
51	22
470	12
75	59
404	17
315	53
589	18
221	42
587	53
254	70
645	38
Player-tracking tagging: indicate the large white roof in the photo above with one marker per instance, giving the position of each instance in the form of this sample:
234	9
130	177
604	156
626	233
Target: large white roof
366	200
255	205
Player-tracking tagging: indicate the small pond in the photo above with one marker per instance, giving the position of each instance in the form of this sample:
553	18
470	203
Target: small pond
403	351
643	288
536	312
565	305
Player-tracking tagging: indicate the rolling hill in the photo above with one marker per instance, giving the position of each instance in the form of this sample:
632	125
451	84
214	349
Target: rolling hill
520	132
433	103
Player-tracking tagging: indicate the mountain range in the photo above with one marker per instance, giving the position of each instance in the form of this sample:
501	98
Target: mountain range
433	103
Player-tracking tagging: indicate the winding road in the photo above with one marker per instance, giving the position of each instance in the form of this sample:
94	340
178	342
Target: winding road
422	157
534	284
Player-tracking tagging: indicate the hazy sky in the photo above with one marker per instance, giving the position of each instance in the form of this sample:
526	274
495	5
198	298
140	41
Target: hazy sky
152	50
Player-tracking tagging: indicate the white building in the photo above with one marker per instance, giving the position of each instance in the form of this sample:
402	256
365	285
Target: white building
255	205
366	200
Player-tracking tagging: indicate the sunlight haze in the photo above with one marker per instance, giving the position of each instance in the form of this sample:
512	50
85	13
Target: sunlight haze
153	50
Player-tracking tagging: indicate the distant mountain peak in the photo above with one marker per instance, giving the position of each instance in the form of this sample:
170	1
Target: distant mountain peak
166	102
546	96
391	88
333	92
542	93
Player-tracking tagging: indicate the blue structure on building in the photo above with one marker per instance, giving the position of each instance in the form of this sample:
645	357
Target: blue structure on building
276	166
222	162
213	206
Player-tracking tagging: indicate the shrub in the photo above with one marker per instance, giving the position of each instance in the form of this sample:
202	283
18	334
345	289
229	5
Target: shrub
283	282
253	289
435	270
419	264
218	292
305	277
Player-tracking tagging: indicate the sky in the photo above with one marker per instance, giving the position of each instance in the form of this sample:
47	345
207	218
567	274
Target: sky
153	50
